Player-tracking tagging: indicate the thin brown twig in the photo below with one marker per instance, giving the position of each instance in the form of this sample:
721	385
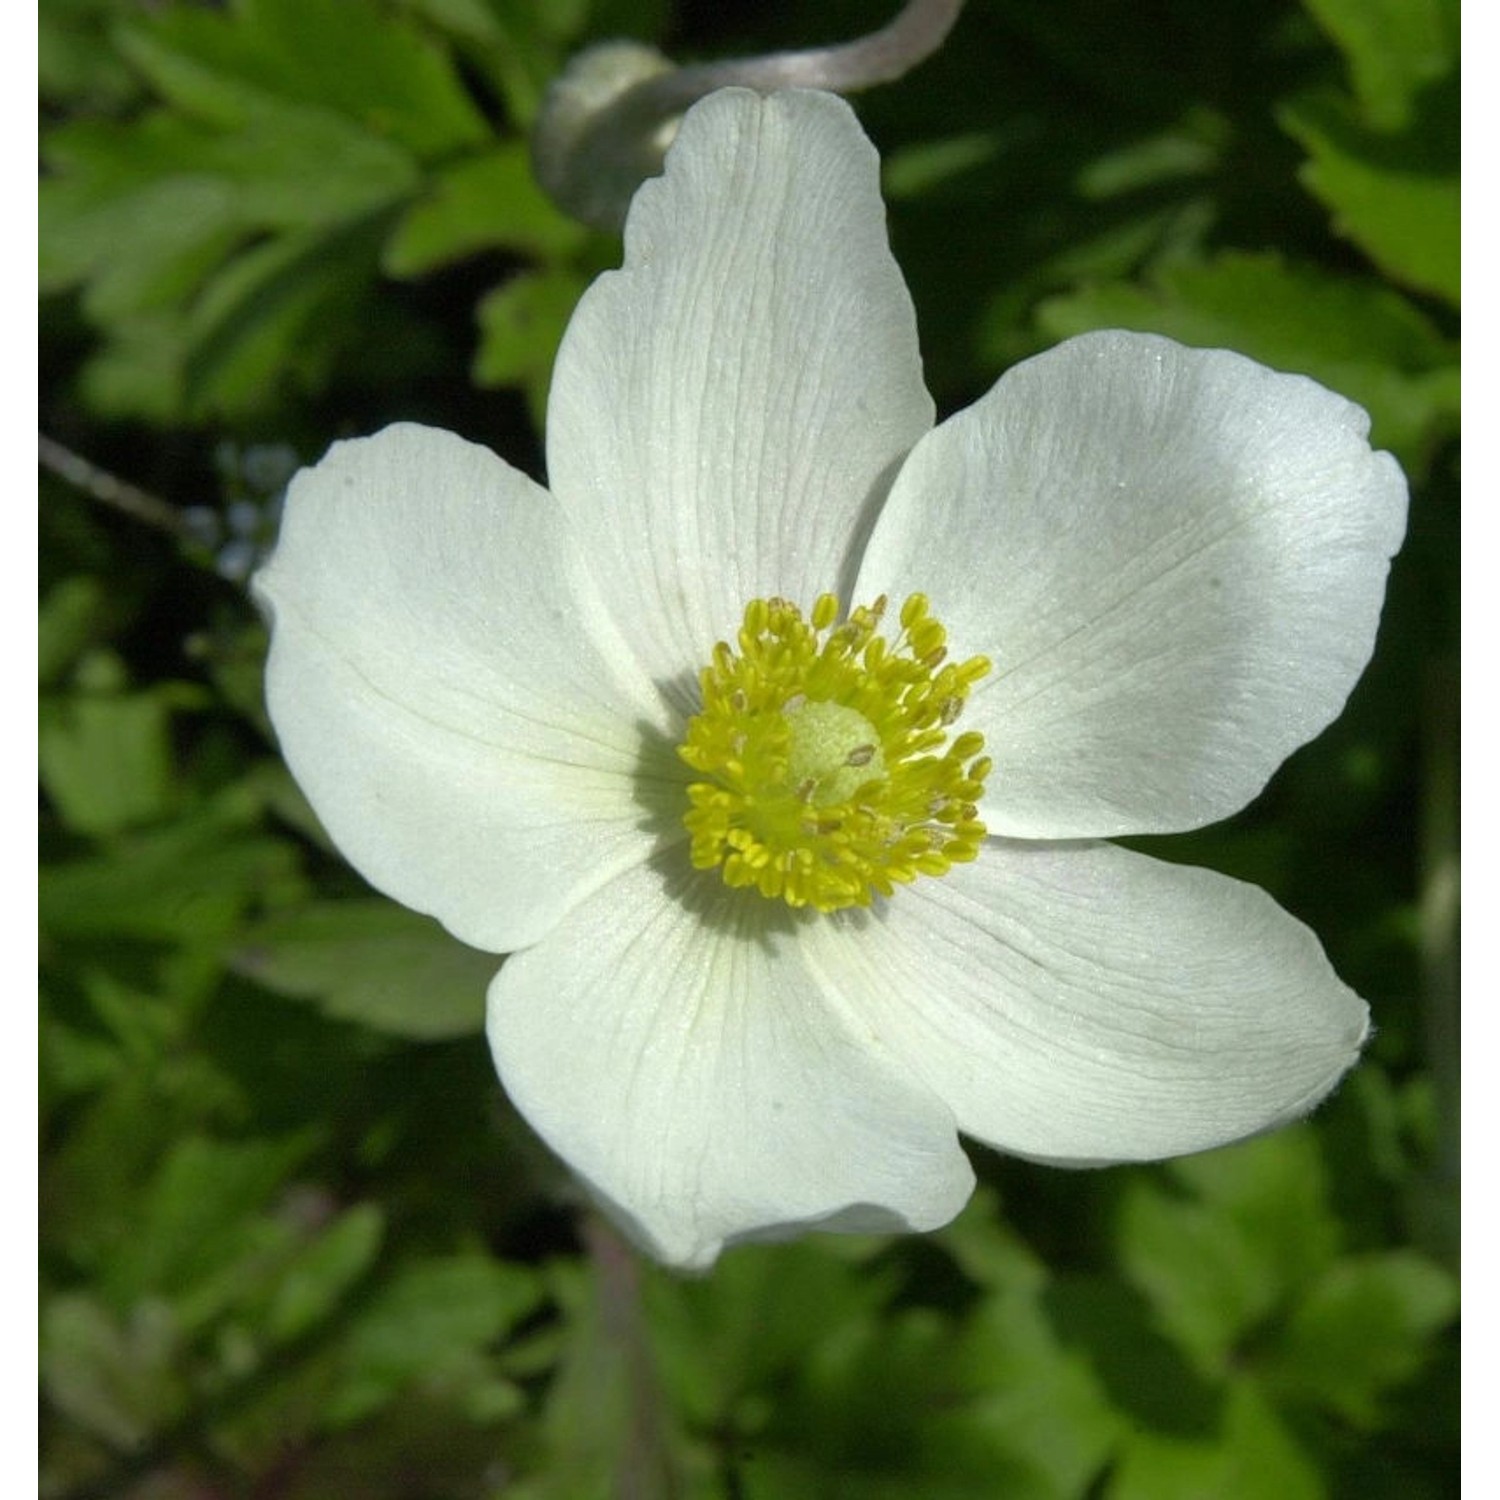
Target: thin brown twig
108	489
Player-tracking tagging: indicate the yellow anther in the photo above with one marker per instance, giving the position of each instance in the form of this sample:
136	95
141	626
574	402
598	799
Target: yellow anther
829	777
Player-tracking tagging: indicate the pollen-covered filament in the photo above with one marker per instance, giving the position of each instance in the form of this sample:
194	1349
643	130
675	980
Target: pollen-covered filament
828	773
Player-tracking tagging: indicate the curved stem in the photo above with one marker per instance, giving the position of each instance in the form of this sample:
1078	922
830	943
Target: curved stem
881	57
596	141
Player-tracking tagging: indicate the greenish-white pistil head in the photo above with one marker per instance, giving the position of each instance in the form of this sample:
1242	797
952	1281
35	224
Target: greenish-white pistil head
828	770
834	751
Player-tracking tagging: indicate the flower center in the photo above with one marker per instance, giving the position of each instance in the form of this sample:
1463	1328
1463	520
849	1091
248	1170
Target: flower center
828	772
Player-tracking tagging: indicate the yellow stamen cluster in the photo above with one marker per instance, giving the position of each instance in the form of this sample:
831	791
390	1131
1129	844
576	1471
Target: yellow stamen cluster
828	774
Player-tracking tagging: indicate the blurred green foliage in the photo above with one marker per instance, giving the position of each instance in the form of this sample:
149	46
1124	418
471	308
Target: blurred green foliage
294	1242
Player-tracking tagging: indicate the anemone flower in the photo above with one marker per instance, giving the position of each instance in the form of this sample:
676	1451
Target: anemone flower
777	744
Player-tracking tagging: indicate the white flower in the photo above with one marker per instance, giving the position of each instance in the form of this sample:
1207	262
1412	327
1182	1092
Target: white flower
1172	559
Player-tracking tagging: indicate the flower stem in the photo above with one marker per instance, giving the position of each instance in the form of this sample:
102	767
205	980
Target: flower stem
606	123
881	57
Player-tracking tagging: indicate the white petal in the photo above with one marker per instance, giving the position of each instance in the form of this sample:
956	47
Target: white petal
728	408
668	1042
440	691
1175	559
1079	1003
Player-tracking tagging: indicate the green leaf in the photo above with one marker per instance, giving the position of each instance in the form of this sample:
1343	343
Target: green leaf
988	1250
73	616
1363	1330
803	1362
909	1406
198	1215
137	374
482	203
928	166
1395	196
114	1377
73	1062
122	210
277	317
334	55
521	45
1036	1395
1252	1457
1394	49
520	327
1192	149
432	1316
75	61
1207	1283
1222	1271
372	962
309	1288
1147	1380
1365	341
188	883
298	166
1274	1190
755	1322
228	244
143	213
106	757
